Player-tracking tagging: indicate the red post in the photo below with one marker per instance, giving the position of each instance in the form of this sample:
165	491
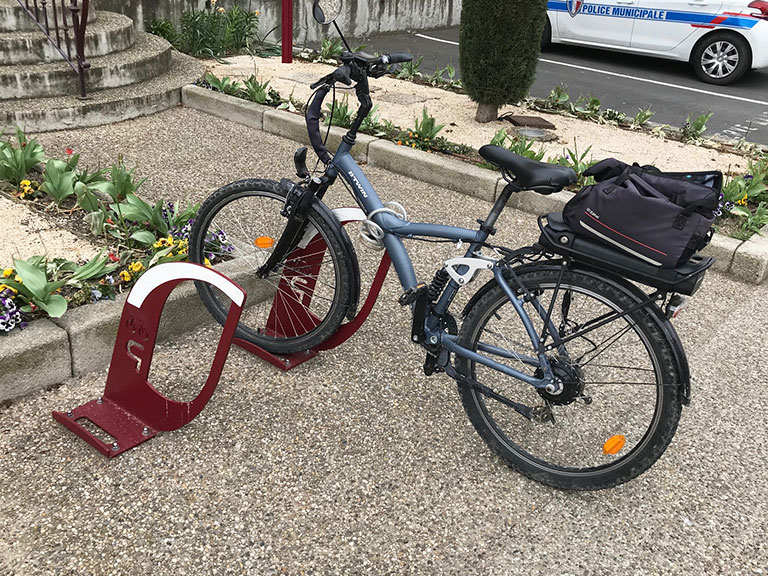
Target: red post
287	31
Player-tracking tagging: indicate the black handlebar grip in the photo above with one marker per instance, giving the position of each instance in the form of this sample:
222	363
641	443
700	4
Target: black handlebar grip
399	57
314	112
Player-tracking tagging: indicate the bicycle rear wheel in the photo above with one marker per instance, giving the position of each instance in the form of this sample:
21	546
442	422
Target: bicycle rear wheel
619	406
299	305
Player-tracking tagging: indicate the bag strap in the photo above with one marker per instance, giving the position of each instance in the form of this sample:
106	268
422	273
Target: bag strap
688	211
627	174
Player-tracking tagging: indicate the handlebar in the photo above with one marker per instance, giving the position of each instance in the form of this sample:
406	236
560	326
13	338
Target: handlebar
363	63
355	68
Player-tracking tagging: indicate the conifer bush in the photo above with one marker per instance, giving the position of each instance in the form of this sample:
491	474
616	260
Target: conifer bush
499	49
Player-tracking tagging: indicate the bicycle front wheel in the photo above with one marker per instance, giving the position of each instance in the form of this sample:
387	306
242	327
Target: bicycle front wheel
298	306
619	405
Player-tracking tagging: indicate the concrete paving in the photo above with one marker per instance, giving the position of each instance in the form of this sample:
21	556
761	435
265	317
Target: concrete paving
355	463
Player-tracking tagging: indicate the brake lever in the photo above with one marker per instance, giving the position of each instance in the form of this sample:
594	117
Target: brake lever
379	70
324	80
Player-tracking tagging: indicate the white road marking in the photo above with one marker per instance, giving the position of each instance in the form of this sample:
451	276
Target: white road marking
626	76
437	39
742	131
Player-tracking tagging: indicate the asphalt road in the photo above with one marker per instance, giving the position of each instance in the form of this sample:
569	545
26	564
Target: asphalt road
623	82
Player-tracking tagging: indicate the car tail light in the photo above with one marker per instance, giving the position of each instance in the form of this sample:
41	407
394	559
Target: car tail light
762	6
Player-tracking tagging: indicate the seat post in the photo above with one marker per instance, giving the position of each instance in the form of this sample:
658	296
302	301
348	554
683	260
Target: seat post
488	225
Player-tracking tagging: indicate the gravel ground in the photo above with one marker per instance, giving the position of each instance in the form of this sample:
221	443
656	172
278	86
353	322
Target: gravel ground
355	463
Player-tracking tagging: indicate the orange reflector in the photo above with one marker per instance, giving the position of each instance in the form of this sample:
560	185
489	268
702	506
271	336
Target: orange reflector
264	242
614	444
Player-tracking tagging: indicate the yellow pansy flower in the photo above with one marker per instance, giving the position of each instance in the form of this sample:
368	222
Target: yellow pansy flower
136	267
25	183
125	276
7	272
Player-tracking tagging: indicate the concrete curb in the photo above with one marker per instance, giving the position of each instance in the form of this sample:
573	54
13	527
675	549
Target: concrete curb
750	261
34	359
434	169
218	104
266	118
747	261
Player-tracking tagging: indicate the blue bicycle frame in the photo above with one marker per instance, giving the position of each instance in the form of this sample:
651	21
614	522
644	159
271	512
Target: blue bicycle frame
343	164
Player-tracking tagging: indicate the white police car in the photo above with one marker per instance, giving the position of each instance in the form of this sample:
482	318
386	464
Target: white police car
722	39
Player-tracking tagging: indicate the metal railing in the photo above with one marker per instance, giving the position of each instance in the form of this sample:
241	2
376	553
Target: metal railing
58	31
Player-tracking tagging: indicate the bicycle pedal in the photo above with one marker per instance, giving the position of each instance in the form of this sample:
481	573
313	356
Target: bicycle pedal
412	294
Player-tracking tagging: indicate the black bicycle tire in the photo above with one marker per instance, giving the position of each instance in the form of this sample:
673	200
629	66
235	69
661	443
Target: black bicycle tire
626	469
343	269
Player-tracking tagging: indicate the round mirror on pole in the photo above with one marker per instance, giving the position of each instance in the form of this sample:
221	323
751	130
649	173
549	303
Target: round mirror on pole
326	11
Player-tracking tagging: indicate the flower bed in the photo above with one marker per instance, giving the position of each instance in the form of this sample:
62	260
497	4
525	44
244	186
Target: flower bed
102	206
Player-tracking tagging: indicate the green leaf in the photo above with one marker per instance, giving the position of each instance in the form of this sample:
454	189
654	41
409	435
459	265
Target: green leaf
19	287
156	258
96	221
86	199
32	277
55	305
740	211
144	237
106	188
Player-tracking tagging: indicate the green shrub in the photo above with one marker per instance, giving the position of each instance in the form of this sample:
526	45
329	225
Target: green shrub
410	70
217	31
339	114
331	49
518	144
694	128
58	181
17	161
499	48
572	158
164	28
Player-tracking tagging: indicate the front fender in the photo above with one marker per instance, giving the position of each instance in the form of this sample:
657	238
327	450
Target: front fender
334	220
662	322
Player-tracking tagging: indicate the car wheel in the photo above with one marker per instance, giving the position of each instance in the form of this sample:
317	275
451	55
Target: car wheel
721	58
546	38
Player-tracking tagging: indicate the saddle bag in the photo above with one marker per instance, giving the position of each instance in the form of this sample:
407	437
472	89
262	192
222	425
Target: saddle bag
660	218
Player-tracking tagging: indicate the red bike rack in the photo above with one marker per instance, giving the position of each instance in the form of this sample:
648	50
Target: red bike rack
131	410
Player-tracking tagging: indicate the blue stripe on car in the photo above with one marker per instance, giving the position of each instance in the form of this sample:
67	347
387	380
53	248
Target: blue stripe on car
693	18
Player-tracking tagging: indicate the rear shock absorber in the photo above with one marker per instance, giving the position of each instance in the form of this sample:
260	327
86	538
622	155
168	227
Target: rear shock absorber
438	285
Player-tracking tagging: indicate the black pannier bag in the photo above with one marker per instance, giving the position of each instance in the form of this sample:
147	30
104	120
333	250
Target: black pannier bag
661	218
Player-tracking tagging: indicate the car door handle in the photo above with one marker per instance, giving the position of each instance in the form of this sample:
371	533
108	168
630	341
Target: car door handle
625	2
698	3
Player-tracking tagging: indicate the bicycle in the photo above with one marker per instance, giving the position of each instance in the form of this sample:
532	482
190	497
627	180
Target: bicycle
569	371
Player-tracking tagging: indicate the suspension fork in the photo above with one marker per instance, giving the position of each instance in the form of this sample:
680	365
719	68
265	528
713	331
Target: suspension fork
298	200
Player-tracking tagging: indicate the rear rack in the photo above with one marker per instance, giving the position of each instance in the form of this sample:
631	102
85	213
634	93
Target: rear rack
557	237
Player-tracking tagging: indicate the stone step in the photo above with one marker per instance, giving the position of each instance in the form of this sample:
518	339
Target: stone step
14	19
105	107
110	33
147	58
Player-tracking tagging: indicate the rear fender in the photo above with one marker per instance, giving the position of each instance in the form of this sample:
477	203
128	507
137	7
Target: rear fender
632	291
